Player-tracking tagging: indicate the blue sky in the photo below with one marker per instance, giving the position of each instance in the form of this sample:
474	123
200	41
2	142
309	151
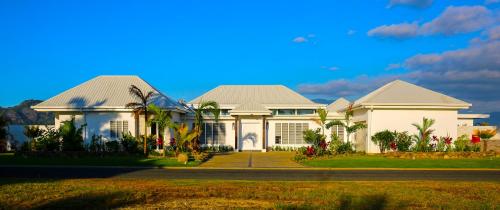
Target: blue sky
323	49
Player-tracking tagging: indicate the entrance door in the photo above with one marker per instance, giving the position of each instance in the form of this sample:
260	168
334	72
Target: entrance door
249	135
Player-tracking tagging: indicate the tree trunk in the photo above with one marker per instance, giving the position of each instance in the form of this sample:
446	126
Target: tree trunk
145	133
485	145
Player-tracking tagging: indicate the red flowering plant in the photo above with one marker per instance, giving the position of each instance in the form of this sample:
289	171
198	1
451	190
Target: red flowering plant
310	151
394	146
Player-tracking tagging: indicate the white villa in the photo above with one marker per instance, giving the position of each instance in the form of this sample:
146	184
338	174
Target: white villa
256	117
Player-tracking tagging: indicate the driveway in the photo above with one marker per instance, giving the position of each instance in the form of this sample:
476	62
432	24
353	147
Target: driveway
252	160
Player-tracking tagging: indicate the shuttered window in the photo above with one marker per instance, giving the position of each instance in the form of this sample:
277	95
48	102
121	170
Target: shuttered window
117	128
290	133
213	133
339	130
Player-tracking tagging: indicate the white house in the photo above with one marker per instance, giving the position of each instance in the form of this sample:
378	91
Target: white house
398	104
100	105
257	117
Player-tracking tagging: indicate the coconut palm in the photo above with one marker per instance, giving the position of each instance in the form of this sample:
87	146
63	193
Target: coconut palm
204	107
349	127
424	133
143	99
162	118
322	114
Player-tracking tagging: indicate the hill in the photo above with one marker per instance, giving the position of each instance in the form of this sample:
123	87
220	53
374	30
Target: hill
23	114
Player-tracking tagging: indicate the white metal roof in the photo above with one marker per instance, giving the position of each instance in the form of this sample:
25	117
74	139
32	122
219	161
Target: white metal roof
268	96
105	92
401	93
338	105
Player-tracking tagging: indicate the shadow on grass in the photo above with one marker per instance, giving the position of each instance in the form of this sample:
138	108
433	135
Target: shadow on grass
85	201
346	202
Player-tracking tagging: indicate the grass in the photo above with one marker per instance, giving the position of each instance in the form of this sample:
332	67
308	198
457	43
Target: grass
368	161
187	194
11	159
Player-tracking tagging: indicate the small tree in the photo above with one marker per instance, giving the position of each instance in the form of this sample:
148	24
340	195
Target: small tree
72	139
162	118
424	133
204	107
3	133
322	114
184	137
141	106
383	139
32	132
349	127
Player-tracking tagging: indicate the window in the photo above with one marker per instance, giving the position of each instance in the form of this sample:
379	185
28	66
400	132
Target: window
290	133
224	112
213	133
117	128
286	111
305	111
339	130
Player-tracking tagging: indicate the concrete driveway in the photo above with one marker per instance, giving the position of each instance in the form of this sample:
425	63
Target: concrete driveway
252	160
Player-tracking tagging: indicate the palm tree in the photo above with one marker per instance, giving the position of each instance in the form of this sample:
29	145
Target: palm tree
162	118
322	113
211	107
32	132
349	129
141	107
424	132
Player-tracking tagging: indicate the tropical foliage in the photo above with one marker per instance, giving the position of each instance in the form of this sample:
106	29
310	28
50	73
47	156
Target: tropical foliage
32	132
140	106
3	133
203	108
384	139
349	127
424	134
322	114
184	137
71	136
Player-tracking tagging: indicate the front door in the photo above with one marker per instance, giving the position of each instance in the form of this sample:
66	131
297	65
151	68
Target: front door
250	135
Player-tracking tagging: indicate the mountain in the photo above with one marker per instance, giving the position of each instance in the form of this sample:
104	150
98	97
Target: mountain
322	101
23	114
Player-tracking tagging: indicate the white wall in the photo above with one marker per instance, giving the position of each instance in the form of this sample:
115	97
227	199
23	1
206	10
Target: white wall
401	120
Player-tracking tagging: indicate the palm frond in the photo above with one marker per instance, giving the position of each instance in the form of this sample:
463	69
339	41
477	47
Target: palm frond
335	122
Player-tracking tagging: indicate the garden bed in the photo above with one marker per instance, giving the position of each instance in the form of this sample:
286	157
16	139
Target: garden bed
380	161
441	155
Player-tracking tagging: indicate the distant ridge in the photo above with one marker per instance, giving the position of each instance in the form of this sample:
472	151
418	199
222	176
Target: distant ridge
322	101
23	114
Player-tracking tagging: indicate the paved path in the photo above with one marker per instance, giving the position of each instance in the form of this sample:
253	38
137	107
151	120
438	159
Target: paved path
54	172
252	160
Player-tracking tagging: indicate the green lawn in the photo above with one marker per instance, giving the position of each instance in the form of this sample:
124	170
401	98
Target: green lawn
383	162
212	194
11	159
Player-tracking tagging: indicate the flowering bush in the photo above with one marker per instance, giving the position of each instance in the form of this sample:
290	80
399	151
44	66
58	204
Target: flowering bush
310	151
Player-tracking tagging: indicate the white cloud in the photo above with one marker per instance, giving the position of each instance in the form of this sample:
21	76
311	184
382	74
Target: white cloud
393	66
456	20
398	31
453	20
351	32
299	39
411	3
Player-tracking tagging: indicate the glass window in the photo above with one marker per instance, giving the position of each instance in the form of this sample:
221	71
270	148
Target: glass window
286	111
224	112
305	111
290	133
117	128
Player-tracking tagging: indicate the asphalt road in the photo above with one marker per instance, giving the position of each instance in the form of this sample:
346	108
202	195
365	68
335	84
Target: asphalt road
55	172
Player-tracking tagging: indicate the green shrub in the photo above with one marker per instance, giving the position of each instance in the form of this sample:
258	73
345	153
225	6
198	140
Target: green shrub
403	141
96	144
299	156
112	146
383	139
72	139
49	141
345	148
462	144
129	143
